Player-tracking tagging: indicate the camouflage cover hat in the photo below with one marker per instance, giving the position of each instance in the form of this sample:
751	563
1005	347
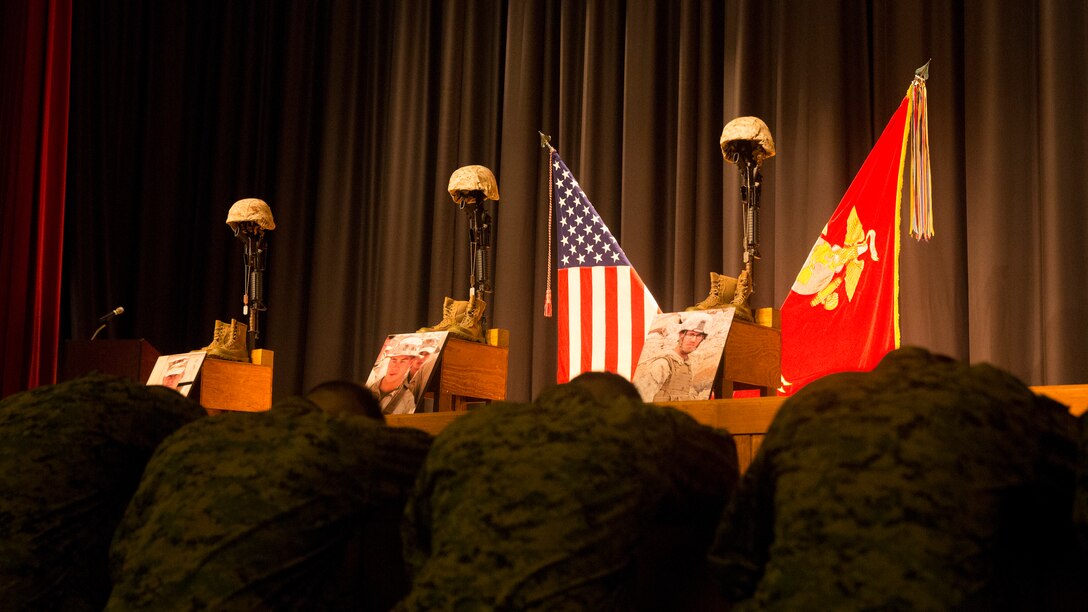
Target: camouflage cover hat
406	347
748	129
468	179
251	210
696	321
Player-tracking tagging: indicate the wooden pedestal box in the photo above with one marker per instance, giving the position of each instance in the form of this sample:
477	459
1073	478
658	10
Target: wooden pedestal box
230	385
469	372
752	360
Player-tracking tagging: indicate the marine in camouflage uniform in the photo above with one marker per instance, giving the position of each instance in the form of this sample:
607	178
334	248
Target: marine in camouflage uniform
398	401
926	484
668	377
290	509
581	500
71	456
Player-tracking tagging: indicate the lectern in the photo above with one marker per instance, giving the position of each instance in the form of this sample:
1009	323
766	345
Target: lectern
129	358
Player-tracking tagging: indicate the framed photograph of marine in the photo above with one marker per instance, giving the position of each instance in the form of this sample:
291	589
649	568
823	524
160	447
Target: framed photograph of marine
403	370
681	354
177	372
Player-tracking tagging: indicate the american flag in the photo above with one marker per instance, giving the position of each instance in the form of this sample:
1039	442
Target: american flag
603	308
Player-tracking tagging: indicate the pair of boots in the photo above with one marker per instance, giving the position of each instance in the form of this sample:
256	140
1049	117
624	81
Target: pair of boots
461	319
229	342
722	291
726	291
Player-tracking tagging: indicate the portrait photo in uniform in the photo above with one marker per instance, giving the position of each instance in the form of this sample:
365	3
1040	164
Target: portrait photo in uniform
681	354
403	370
177	371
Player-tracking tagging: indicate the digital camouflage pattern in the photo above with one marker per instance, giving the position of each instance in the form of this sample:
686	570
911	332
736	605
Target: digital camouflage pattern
569	503
71	456
290	509
927	484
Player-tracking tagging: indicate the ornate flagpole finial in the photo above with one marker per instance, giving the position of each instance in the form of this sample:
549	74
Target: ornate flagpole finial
545	140
923	71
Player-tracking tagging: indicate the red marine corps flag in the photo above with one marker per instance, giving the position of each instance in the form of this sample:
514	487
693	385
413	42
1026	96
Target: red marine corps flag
842	313
603	308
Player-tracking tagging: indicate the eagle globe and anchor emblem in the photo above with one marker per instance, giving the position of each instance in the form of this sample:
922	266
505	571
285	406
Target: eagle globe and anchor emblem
830	266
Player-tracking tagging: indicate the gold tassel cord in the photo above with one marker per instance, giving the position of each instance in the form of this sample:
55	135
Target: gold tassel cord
921	187
545	142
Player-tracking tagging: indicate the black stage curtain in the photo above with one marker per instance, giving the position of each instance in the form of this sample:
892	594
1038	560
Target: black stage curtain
349	117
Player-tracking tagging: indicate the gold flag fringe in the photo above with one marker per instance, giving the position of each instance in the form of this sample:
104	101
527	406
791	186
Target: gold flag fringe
921	186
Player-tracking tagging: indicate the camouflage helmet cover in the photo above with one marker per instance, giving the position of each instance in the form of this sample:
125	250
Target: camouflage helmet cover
251	210
695	321
745	130
468	179
408	346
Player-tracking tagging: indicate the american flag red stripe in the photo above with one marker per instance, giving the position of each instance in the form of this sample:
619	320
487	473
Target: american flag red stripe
603	307
611	344
642	314
595	333
562	313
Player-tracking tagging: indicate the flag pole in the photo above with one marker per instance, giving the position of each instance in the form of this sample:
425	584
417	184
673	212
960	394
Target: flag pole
546	141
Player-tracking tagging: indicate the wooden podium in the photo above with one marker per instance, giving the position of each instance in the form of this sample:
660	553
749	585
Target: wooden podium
129	358
470	372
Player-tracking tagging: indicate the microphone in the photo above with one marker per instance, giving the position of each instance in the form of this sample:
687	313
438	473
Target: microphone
111	314
105	319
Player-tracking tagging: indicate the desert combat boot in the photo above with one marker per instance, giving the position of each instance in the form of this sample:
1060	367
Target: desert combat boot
452	312
470	327
722	289
229	342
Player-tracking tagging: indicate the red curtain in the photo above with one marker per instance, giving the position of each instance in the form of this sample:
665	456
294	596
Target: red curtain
34	120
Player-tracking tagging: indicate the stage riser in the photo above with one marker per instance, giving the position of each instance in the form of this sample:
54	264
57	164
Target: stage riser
746	418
